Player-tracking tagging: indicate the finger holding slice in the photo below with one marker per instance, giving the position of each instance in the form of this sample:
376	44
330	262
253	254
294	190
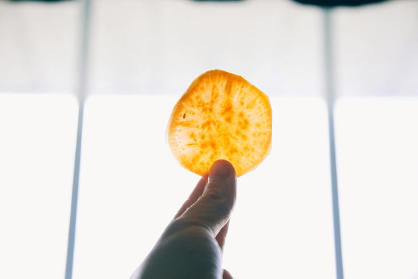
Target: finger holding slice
221	116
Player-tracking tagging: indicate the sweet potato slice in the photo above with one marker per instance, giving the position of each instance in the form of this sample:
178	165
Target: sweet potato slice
221	116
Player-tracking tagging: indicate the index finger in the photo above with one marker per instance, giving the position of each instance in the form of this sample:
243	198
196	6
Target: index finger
194	196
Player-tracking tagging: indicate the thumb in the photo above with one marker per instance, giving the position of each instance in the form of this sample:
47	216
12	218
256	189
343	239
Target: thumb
214	207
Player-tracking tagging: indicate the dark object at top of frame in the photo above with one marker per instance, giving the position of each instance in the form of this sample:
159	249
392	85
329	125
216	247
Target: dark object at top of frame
321	3
337	3
218	0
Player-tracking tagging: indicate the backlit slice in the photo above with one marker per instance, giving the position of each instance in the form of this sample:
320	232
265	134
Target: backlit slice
221	116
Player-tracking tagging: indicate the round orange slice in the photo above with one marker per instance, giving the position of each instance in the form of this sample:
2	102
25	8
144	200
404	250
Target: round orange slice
221	116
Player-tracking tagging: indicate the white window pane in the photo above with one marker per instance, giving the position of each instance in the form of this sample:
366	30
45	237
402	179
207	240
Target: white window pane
377	141
36	162
154	47
131	186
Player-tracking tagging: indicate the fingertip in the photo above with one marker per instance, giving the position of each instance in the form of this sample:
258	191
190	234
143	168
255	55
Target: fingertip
226	274
221	169
222	180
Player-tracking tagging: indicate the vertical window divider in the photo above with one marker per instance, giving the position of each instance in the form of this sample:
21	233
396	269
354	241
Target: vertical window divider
81	97
330	96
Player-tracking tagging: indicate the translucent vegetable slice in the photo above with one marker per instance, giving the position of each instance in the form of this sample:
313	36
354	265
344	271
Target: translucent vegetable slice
221	116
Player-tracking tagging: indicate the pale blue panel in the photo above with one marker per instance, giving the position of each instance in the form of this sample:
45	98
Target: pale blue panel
377	49
39	46
159	47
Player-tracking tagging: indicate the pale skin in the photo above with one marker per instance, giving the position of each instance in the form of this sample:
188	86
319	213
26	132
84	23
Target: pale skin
191	245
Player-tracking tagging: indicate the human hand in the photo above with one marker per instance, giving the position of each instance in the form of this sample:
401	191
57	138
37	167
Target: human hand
191	246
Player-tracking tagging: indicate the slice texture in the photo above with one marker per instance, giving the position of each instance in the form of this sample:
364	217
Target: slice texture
221	116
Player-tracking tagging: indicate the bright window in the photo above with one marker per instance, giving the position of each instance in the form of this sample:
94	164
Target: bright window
131	186
377	142
37	146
